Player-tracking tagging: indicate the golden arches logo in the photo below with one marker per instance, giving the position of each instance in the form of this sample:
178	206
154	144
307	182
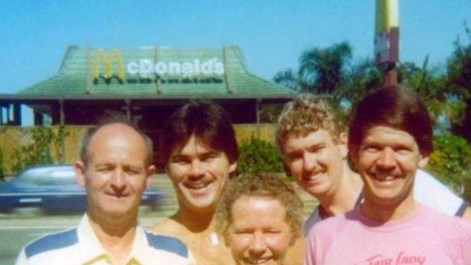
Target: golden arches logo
108	59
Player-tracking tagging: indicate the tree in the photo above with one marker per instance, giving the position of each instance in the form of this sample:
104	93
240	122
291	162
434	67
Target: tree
288	78
431	85
459	81
362	78
329	71
323	70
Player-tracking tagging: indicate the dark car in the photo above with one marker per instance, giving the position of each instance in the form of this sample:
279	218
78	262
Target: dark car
53	188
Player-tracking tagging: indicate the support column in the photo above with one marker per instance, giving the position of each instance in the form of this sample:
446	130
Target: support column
17	114
128	109
38	118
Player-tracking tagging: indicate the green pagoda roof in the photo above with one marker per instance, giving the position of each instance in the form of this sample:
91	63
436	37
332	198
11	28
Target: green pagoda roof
154	72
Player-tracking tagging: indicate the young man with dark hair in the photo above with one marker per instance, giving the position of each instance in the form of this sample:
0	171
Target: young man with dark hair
200	152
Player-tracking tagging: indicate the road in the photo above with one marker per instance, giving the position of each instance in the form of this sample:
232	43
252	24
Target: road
18	229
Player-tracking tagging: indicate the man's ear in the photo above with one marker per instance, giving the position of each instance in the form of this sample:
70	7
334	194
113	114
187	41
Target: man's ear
343	143
423	161
80	171
150	175
287	170
232	167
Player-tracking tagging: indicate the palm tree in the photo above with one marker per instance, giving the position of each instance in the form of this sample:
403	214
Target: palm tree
288	79
324	70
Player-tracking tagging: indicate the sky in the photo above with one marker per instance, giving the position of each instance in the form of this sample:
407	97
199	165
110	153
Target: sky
271	34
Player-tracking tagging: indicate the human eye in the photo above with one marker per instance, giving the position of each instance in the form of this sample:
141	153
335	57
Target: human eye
403	150
133	170
370	147
103	168
293	156
210	156
272	231
181	160
317	148
243	231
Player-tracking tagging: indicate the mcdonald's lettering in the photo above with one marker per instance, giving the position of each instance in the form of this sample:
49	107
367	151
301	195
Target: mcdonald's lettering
110	68
146	68
109	65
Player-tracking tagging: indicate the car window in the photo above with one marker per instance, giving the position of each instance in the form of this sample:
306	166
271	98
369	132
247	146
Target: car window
62	177
47	176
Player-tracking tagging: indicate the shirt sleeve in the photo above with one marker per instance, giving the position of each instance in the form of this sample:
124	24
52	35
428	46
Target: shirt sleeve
313	219
21	259
309	250
430	192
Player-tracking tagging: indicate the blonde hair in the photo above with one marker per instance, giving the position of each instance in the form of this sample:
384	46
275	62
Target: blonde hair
306	114
266	185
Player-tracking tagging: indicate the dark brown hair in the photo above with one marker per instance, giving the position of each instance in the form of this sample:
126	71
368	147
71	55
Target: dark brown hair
394	106
208	121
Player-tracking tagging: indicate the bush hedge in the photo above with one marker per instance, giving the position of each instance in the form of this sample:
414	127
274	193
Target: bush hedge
451	163
258	156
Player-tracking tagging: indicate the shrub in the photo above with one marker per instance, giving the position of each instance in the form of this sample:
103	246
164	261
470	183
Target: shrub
2	171
451	163
257	156
38	151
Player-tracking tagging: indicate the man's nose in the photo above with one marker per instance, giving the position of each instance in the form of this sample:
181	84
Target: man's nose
118	178
309	162
196	168
386	158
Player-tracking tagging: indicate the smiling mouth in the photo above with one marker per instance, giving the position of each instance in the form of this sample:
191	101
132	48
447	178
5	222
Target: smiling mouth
383	178
314	177
257	261
118	195
196	185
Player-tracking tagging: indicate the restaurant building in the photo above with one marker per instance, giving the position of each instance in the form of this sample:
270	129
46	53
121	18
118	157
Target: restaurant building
146	84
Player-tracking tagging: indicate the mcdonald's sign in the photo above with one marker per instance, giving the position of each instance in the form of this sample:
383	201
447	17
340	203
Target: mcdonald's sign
108	65
386	42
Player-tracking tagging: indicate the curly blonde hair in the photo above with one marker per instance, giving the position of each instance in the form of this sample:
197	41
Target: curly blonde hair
306	114
265	185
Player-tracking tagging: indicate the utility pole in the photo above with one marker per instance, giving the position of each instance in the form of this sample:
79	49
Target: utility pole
386	40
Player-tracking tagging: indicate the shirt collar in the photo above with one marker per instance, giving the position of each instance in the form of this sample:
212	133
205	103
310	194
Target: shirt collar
93	253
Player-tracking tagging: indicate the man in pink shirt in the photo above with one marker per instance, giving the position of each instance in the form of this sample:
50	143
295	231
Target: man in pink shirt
390	138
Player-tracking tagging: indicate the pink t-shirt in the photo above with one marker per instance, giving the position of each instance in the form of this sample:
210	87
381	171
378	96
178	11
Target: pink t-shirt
427	238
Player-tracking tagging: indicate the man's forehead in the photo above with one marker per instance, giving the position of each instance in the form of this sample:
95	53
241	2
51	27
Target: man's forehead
301	141
319	134
195	143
